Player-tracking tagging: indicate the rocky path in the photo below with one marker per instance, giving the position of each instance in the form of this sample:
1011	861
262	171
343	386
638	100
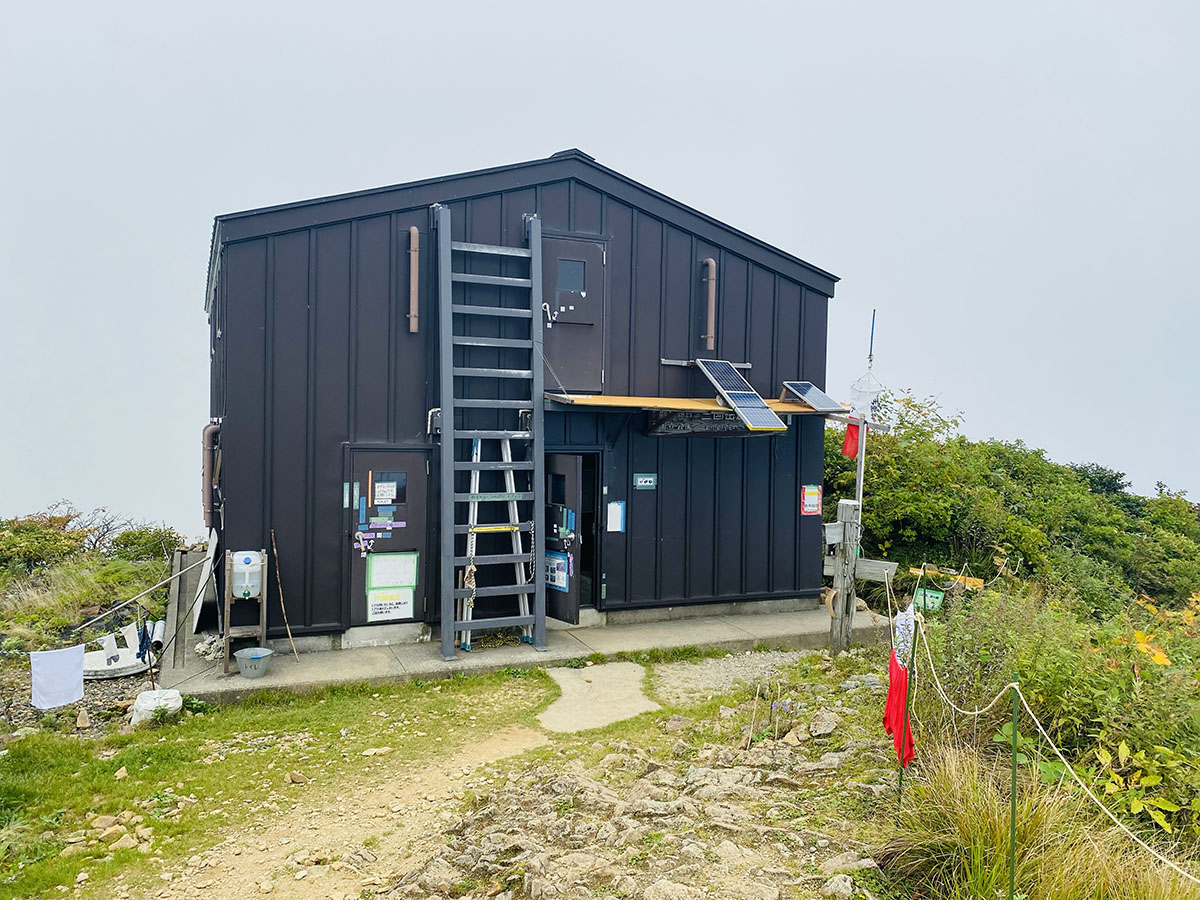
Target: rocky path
684	807
340	843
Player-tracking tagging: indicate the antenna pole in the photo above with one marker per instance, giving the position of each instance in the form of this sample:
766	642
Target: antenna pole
871	348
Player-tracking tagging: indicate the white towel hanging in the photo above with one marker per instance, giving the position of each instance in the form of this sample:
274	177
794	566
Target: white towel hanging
56	676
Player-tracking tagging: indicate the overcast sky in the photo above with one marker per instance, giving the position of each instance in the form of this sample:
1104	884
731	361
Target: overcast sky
1014	186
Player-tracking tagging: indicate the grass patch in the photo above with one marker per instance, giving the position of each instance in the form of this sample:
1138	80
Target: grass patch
669	655
35	611
953	836
234	761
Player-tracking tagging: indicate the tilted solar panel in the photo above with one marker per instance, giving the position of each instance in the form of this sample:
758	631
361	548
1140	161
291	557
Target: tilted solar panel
740	396
813	396
722	373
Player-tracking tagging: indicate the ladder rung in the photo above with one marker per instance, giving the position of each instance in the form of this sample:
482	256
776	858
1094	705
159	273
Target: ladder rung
489	529
494	435
503	622
495	590
496	249
493	559
481	372
494	404
490	311
464	340
493	497
238	631
502	280
493	465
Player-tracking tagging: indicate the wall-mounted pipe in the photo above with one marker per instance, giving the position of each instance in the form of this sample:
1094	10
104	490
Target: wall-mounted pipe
208	441
414	276
710	279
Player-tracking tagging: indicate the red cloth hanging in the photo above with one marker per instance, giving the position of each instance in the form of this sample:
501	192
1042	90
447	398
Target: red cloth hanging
850	443
894	720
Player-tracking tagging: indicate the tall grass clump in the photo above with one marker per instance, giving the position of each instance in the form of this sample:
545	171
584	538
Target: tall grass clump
952	837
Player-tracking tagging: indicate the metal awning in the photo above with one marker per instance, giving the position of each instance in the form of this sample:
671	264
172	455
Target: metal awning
670	404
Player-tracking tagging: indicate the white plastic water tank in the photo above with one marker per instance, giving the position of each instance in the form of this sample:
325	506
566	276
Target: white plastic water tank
248	567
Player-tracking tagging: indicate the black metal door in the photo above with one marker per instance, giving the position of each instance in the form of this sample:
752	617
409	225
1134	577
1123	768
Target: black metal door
573	314
385	540
563	528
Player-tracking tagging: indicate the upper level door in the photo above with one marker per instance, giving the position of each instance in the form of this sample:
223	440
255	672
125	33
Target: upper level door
573	314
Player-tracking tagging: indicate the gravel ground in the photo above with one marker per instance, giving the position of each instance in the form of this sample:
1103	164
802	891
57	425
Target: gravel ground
691	681
100	699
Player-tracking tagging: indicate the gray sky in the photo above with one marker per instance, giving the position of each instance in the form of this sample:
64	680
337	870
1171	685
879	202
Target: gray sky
1014	186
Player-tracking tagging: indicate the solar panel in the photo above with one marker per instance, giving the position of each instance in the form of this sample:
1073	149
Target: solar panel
740	396
746	399
722	373
760	418
813	396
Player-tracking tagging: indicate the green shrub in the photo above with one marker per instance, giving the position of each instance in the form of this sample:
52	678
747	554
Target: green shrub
934	496
36	541
143	542
1097	687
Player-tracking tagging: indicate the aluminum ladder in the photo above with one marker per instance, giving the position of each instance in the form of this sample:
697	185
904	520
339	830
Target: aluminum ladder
467	353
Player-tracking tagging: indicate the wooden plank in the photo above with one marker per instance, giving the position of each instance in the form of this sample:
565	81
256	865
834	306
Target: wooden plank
867	569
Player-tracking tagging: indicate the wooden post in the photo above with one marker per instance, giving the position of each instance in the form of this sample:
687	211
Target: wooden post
840	629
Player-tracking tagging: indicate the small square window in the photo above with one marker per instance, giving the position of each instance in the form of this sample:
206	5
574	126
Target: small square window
558	488
390	488
571	275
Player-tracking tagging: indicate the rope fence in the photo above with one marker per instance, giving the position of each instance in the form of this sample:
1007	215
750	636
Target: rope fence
1019	700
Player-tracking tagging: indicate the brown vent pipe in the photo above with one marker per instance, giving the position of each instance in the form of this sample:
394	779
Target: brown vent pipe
414	276
211	430
710	278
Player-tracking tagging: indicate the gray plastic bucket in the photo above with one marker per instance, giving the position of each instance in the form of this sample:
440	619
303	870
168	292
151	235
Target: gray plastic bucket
253	661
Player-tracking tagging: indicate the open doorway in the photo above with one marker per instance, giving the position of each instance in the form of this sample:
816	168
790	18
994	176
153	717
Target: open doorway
571	535
589	551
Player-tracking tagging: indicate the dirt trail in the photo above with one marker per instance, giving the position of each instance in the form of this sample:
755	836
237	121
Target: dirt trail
316	850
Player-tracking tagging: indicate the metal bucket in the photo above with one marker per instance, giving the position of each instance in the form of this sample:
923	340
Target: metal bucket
253	661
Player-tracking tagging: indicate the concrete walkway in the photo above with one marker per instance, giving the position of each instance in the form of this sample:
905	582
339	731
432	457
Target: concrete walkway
808	629
596	696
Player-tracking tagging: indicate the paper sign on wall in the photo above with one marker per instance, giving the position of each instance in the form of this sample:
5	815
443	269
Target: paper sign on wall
387	570
810	500
385	491
616	516
386	604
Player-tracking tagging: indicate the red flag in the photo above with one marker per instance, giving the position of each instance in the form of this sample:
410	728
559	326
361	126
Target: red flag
894	719
850	444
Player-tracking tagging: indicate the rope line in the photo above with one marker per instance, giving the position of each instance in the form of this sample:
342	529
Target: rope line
1046	737
1189	876
941	691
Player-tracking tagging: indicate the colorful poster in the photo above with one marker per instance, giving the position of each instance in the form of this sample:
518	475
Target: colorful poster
810	500
557	577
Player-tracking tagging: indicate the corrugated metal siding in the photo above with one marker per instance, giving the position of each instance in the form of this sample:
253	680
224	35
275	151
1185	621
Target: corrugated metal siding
314	351
724	522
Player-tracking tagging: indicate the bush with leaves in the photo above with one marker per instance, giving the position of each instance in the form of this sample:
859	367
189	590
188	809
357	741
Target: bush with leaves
934	496
33	542
142	542
1120	698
